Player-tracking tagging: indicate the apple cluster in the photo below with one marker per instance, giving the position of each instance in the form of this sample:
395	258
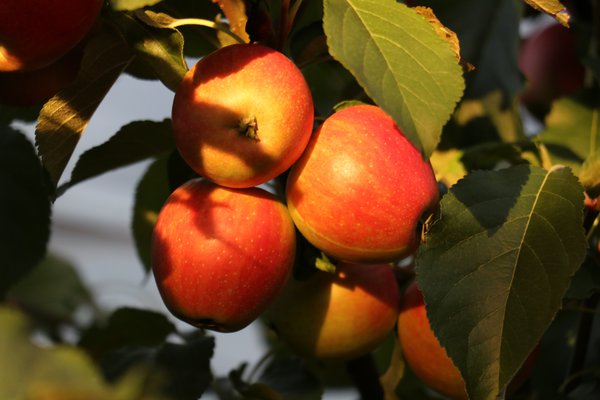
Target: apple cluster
40	51
356	189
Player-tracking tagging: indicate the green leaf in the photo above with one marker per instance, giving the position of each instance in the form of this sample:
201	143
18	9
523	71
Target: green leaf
586	280
290	378
572	134
24	208
495	266
29	371
161	49
151	193
130	5
134	142
553	8
400	61
64	117
489	39
53	290
127	327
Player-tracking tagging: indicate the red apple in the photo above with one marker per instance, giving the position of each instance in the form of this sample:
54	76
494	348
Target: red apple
552	69
361	187
340	315
242	115
35	33
221	255
428	359
28	88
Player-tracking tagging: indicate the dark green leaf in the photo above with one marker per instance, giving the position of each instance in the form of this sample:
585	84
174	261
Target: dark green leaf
151	193
187	366
53	290
160	49
495	266
129	5
290	378
9	114
400	61
489	39
24	208
134	142
63	118
586	280
127	327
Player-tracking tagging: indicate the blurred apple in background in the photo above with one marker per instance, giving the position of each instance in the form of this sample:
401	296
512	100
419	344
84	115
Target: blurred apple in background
36	33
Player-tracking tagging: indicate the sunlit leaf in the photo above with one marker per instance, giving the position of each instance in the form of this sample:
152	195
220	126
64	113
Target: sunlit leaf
64	117
495	266
136	141
24	208
400	61
159	47
553	8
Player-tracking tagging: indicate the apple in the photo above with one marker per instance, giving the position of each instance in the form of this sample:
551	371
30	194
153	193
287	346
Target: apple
219	255
28	88
337	316
361	187
35	33
242	115
549	61
428	359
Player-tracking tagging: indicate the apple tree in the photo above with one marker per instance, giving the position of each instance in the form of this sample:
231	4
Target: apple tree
404	194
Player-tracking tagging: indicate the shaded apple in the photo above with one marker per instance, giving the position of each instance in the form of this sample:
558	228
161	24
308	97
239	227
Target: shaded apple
242	115
221	255
28	88
552	69
35	33
361	188
428	359
341	315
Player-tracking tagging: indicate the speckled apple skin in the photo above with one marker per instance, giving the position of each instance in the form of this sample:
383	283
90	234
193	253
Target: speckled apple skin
337	316
220	255
230	85
423	352
34	33
360	188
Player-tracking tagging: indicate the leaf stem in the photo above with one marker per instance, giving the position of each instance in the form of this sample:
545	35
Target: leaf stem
207	23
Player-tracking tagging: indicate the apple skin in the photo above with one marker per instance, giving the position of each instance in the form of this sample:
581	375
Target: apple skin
35	33
428	359
337	316
220	99
220	256
28	88
361	187
549	61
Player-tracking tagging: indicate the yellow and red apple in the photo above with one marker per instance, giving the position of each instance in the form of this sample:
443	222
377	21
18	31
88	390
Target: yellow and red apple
219	255
242	115
428	359
361	187
341	315
35	33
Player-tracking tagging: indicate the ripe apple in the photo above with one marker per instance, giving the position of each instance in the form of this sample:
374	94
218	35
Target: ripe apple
35	33
361	187
340	315
28	88
549	61
428	359
221	255
242	115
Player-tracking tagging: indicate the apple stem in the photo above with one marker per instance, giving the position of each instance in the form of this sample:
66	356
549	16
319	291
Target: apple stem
365	376
249	127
